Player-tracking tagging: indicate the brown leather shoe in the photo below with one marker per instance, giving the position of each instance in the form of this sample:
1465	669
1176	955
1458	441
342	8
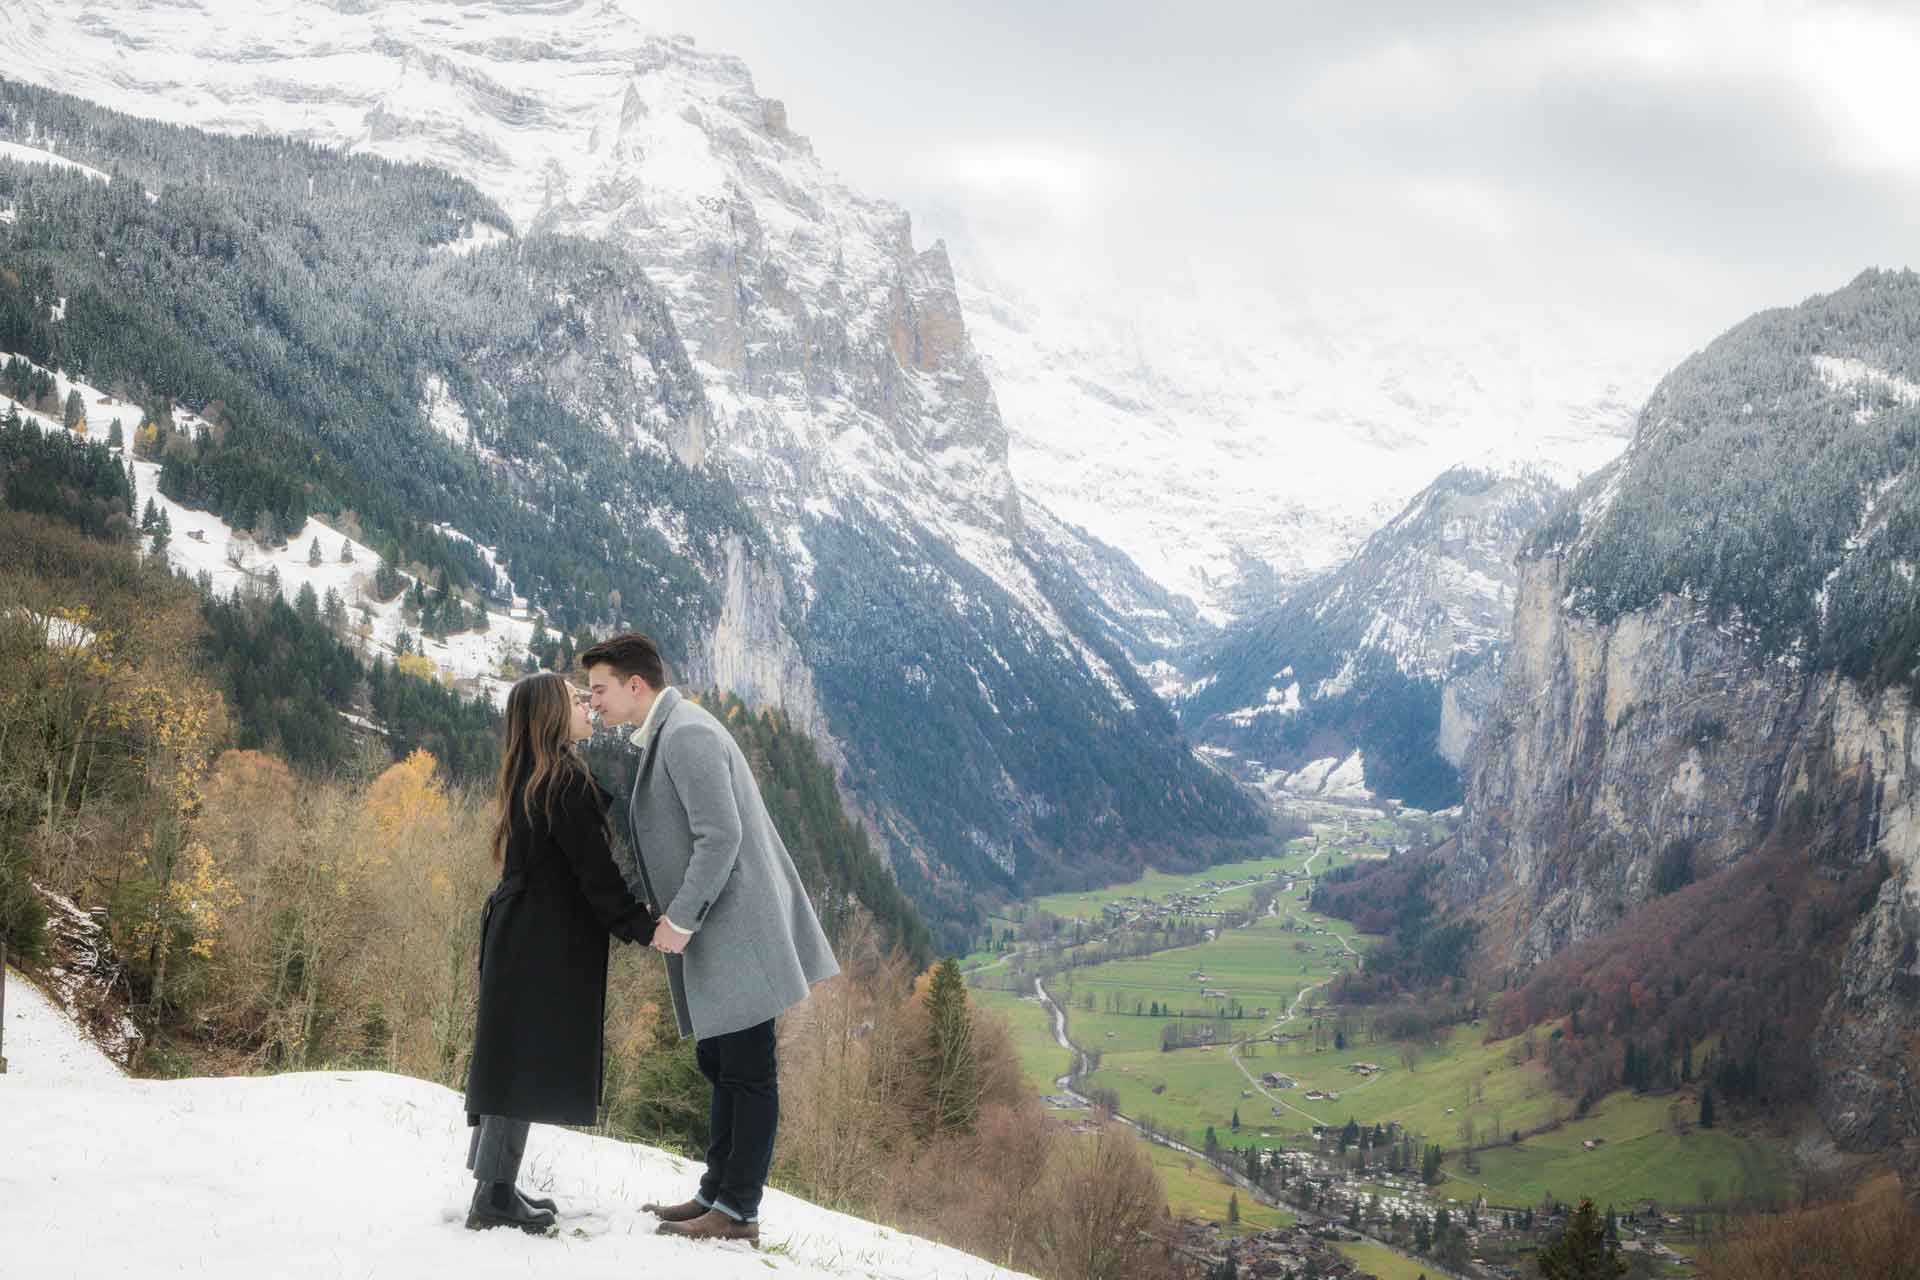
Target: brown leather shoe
685	1211
712	1225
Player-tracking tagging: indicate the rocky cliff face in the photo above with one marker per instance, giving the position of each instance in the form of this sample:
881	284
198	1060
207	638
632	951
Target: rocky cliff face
1672	702
1613	746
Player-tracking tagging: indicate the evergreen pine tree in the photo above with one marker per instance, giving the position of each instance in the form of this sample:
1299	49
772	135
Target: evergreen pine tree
314	559
386	581
954	1071
116	438
307	604
1706	1108
150	517
1236	1120
346	551
1233	1209
1581	1251
75	417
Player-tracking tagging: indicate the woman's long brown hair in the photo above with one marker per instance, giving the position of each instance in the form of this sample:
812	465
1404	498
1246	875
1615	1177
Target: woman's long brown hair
538	756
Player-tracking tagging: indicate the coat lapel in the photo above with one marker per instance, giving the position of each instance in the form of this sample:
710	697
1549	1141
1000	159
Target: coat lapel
669	699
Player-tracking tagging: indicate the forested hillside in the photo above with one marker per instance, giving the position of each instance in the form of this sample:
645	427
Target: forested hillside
308	304
1820	570
133	691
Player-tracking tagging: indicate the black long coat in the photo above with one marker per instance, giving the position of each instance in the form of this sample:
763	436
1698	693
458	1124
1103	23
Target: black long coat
537	1051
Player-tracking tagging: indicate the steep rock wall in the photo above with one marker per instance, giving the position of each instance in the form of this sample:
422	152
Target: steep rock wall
1610	743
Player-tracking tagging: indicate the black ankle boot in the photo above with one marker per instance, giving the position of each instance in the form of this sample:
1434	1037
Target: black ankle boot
496	1204
538	1202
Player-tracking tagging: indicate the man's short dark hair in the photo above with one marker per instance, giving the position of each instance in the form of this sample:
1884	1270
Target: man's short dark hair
629	654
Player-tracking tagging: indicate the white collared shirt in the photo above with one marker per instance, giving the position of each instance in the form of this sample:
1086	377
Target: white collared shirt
644	733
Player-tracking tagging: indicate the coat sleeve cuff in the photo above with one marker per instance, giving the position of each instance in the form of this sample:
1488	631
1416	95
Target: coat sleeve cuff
635	926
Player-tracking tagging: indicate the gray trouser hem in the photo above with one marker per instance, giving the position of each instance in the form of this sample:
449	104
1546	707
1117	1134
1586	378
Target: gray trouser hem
496	1147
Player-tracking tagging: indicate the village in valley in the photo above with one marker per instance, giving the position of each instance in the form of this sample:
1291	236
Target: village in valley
1297	1136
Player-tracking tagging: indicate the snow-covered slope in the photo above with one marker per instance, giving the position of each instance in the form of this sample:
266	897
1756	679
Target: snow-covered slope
1235	441
44	1047
349	1174
201	543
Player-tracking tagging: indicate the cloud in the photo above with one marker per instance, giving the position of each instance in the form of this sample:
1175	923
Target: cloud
1063	180
1666	168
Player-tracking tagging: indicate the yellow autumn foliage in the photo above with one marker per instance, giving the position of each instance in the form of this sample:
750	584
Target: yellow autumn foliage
418	665
406	798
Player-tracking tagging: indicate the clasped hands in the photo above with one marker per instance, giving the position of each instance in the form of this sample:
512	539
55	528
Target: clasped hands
668	939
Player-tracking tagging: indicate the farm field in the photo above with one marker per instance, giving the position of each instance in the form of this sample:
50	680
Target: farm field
1260	966
1381	1261
1643	1156
1448	1079
1155	885
1196	1191
1041	1060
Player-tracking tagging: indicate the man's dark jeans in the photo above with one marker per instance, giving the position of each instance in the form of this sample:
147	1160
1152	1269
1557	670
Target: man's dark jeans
744	1073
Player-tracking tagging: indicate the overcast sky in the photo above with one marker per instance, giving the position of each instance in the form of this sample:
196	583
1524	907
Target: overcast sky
1665	168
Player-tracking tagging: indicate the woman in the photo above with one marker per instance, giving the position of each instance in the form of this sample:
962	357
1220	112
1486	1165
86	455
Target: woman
543	948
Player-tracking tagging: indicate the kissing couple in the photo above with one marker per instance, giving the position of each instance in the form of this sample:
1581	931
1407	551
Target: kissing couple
720	899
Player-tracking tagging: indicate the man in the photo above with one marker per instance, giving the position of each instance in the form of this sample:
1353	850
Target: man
741	940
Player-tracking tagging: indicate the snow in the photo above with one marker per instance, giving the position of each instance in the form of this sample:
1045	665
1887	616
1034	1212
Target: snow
1331	779
203	543
1844	373
1279	702
20	153
444	414
357	1173
478	236
44	1047
57	632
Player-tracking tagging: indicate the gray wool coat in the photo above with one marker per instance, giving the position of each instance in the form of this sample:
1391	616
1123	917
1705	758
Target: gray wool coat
711	861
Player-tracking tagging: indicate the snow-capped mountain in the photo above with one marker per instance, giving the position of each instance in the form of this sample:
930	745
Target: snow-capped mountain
1235	442
980	682
1394	655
